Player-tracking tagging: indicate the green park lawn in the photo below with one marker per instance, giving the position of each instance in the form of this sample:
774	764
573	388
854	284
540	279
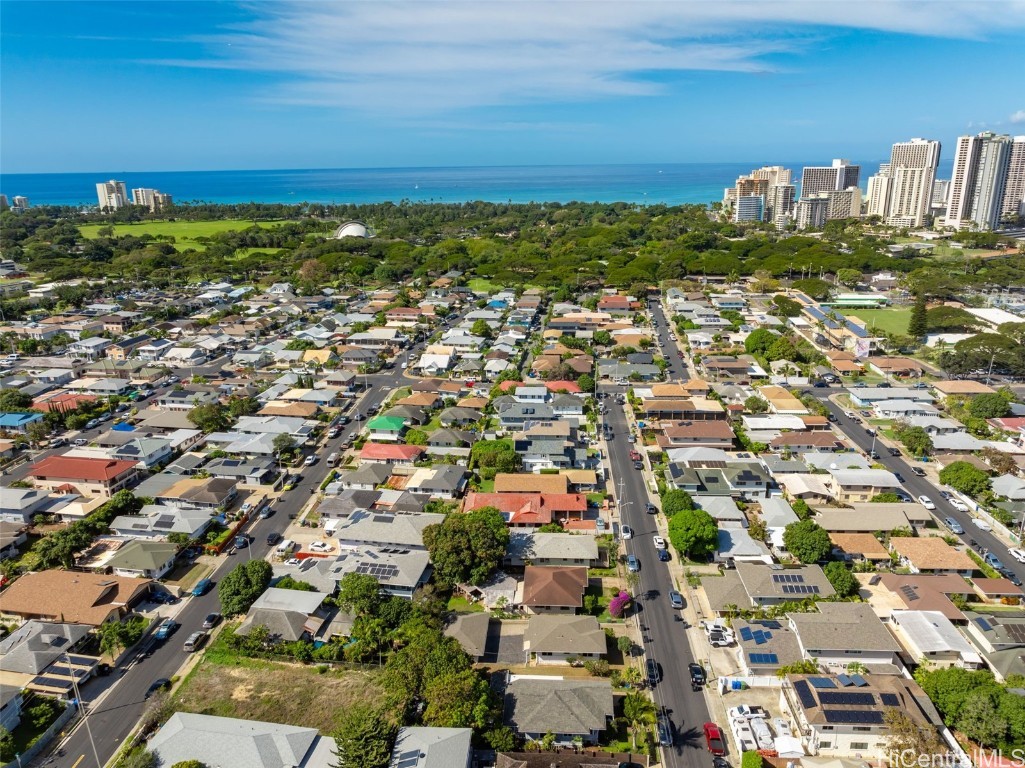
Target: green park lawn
890	320
185	233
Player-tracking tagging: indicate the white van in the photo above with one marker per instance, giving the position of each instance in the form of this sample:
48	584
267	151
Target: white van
332	460
285	548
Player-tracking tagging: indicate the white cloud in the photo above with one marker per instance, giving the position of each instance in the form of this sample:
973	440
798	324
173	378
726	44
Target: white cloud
1018	117
410	58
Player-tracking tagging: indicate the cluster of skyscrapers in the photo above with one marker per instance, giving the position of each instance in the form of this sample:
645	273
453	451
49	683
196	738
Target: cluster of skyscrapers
17	204
987	188
114	194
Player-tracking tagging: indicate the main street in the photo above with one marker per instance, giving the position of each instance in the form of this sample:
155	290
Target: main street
662	627
916	486
123	702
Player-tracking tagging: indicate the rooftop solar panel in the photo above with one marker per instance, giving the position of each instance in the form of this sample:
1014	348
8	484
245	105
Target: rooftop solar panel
859	681
857	717
821	682
847	698
804	694
890	699
844	680
745	633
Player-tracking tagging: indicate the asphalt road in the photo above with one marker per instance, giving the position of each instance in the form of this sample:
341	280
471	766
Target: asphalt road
115	716
665	638
918	486
677	370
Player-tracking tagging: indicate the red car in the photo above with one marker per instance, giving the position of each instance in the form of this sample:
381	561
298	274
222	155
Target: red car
713	740
635	456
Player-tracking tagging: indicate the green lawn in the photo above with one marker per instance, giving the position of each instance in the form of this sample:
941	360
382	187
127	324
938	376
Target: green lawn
185	233
890	320
483	285
460	604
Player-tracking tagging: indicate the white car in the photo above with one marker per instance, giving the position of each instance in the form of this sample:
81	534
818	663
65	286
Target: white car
926	502
628	532
309	461
320	546
659	542
1017	554
293	561
981	524
959	505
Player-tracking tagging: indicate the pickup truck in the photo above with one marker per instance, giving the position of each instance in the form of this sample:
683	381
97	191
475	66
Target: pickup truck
745	712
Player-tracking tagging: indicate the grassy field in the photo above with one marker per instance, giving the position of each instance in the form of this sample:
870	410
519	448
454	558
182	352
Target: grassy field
482	284
185	233
253	689
890	320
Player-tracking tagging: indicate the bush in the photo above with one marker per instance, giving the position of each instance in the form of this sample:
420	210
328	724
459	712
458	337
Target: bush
965	477
619	604
751	759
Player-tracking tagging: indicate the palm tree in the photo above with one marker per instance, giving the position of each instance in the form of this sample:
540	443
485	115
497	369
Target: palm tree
638	711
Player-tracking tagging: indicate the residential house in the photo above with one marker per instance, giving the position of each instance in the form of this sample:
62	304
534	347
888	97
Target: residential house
527	547
841	633
553	589
21	505
755	585
931	637
707	434
446	481
288	615
156	521
366	477
229	742
432	747
125	348
556	639
851	485
800	442
390	454
365	528
74	597
146	452
847	719
571	710
386	428
999	638
214	493
31	650
522	483
931	554
86	476
143	559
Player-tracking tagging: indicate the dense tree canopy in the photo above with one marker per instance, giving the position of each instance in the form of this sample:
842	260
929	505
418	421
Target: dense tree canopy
807	541
239	589
693	533
467	547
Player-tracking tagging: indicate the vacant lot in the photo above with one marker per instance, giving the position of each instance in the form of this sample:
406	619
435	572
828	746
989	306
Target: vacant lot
275	692
889	320
185	233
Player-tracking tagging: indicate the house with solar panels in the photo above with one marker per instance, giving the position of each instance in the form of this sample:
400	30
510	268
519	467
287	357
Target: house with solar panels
841	633
844	716
765	646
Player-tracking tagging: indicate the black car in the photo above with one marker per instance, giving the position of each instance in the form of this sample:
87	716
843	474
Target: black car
653	671
720	762
211	620
894	451
698	678
664	556
161	684
638	465
273	538
650	508
664	726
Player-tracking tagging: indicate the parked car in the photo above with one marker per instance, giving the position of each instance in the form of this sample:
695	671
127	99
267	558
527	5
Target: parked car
664	728
320	546
160	684
211	620
309	461
718	640
959	505
650	508
745	712
698	678
334	432
918	471
954	526
993	561
273	538
241	541
202	588
893	451
194	642
926	502
628	532
638	465
981	524
632	563
714	740
653	672
663	555
675	599
781	727
1017	554
659	542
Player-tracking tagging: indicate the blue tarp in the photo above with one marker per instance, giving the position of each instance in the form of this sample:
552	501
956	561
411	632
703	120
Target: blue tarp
124	426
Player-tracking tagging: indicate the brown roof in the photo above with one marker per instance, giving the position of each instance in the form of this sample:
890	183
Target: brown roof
864	544
478	403
896	364
816	439
66	596
554	585
523	483
962	387
426	399
996	587
931	553
304	410
671	391
716	429
928	592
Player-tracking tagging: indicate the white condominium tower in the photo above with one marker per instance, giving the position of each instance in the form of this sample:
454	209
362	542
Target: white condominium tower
981	165
840	175
153	199
912	172
111	195
1014	192
770	183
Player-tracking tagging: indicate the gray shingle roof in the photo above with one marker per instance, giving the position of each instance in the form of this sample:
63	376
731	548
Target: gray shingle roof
557	705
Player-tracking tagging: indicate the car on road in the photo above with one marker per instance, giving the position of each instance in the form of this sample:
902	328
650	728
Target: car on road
320	546
893	451
675	599
954	526
981	524
993	561
851	415
628	532
713	739
160	684
664	728
926	502
166	629
946	495
92	424
202	588
638	465
1013	578
663	555
211	620
650	508
659	542
80	442
698	678
635	456
194	642
343	420
273	538
266	511
1017	554
653	672
309	461
918	471
874	455
241	541
633	564
334	432
720	762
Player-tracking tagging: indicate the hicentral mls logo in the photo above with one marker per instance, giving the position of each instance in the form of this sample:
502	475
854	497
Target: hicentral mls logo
979	758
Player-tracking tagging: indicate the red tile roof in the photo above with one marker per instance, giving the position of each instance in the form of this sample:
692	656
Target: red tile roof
528	508
74	468
389	452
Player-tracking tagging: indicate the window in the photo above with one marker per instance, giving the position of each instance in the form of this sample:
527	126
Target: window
825	745
862	729
825	728
859	745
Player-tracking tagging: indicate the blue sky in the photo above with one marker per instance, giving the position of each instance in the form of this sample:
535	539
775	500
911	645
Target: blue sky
150	85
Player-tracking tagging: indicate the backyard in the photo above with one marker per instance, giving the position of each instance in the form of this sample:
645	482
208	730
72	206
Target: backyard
893	320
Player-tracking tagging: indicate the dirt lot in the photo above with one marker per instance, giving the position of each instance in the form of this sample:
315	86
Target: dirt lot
278	693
